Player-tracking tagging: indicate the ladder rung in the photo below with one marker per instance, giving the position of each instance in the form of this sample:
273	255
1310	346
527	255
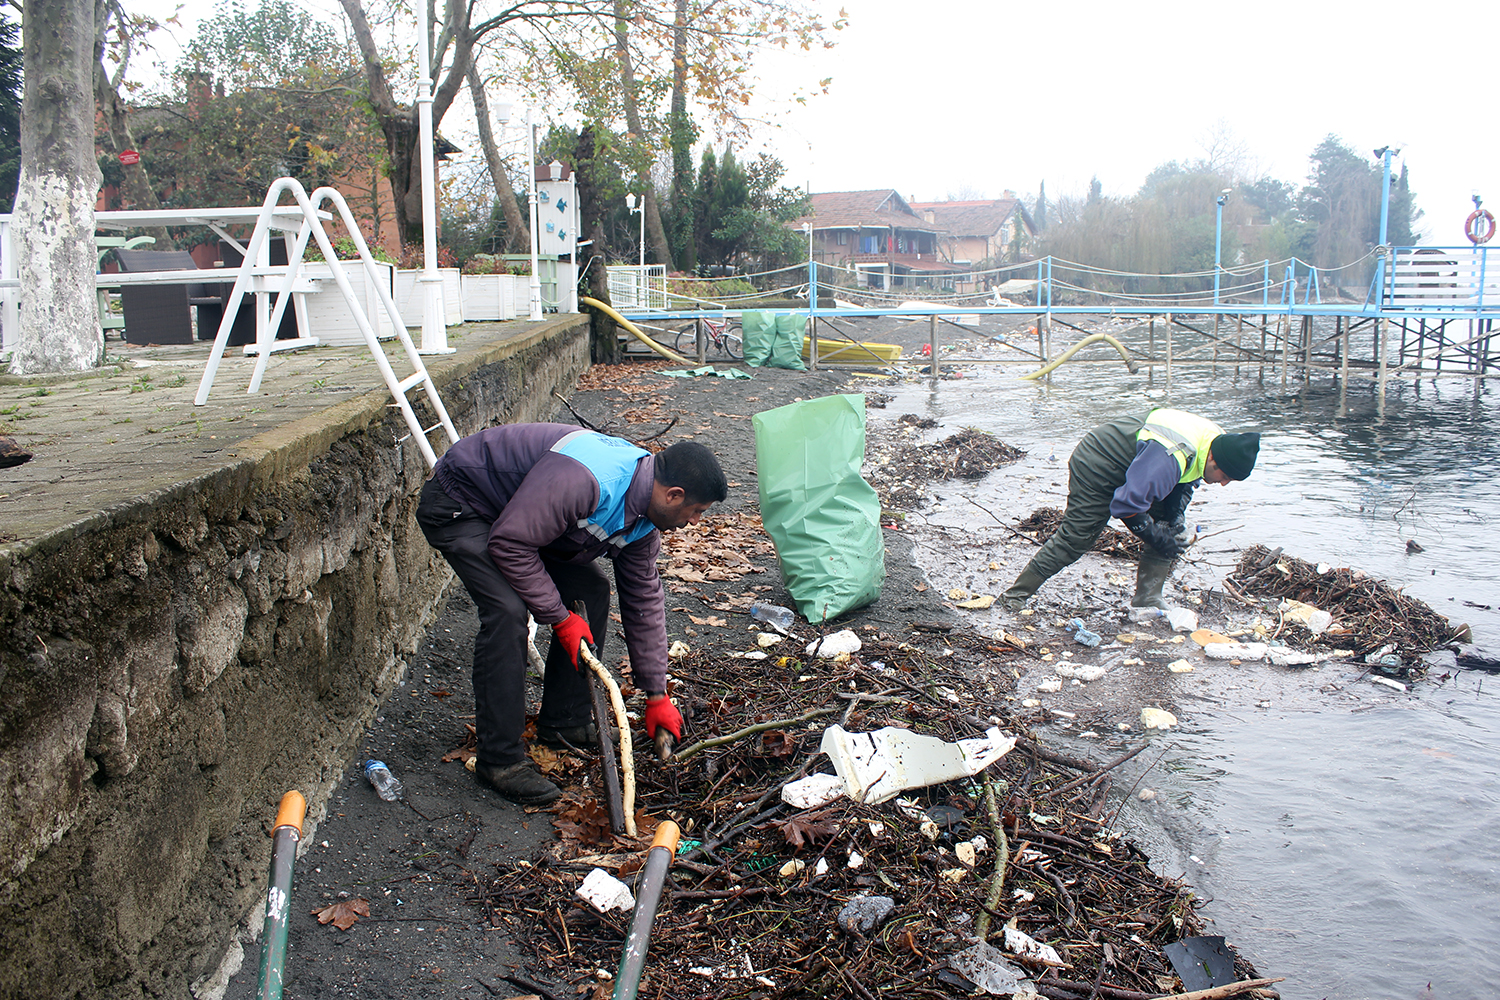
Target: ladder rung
414	379
434	427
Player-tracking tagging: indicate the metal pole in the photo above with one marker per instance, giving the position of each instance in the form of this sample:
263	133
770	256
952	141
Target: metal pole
284	837
434	310
1218	239
653	878
536	278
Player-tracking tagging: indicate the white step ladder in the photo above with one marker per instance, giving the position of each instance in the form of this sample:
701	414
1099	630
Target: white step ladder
255	279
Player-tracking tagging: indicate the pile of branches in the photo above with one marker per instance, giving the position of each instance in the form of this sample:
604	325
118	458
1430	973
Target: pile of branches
752	906
900	468
1042	523
1369	618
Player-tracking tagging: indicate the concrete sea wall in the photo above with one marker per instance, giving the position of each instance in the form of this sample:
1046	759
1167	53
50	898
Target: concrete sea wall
169	666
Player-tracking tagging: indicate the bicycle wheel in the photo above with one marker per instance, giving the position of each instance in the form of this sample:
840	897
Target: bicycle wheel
686	343
734	344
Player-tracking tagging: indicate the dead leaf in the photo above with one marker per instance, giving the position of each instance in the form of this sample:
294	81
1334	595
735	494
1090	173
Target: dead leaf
344	914
713	621
441	693
800	830
779	743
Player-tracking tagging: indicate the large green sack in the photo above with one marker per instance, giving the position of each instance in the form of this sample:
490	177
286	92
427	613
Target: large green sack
823	518
772	340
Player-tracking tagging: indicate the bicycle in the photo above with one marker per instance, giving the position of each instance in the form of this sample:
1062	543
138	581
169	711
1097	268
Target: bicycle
722	335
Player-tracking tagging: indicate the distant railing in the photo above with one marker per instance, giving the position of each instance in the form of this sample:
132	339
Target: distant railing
633	287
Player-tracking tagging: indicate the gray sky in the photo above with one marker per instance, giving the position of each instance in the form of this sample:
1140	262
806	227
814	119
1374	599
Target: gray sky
976	96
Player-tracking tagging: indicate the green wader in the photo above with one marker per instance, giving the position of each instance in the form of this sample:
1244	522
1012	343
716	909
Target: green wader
1096	469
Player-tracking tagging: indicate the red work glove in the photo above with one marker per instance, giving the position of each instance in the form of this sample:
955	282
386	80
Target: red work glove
570	632
662	712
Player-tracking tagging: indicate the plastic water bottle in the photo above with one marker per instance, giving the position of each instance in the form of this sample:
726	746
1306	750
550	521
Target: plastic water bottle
772	614
387	785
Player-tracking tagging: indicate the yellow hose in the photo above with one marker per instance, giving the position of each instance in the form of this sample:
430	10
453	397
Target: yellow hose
1080	346
658	348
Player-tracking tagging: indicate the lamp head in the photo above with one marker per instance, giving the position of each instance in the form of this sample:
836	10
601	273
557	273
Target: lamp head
555	168
502	112
1223	197
630	201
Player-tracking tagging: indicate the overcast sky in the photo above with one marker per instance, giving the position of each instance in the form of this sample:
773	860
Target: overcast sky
976	96
973	97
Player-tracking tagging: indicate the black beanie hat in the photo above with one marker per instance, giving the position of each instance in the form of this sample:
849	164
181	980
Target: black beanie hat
1235	453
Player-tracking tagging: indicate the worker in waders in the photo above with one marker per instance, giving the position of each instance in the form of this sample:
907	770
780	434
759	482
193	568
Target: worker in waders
1143	470
521	513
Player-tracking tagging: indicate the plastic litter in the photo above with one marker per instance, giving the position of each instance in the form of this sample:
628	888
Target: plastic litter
985	966
1027	947
1315	619
773	614
1182	620
844	641
1282	657
1157	718
1082	635
1387	682
1146	614
605	892
863	914
878	766
813	791
1201	962
1236	650
386	784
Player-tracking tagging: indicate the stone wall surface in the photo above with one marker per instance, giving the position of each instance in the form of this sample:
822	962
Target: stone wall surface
171	665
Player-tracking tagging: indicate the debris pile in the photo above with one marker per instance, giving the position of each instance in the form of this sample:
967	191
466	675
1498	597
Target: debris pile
900	468
1042	523
1014	874
1378	623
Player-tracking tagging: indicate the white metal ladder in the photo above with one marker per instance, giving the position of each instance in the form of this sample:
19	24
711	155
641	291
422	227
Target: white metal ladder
266	343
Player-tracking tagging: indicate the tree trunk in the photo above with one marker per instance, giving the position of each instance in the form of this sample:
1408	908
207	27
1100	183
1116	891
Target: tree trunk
135	186
517	233
682	136
628	87
604	337
54	213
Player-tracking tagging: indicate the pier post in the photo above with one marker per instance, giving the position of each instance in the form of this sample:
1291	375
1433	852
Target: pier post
1344	355
1169	352
1214	368
1385	332
1151	371
933	344
1239	333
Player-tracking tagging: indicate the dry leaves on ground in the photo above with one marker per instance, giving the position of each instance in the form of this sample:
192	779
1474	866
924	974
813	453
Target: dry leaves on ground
345	913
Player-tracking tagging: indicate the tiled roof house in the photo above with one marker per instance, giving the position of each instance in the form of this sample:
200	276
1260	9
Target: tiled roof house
978	232
876	233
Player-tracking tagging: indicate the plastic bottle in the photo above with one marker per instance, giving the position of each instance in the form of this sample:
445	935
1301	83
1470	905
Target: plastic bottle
772	614
386	784
1082	635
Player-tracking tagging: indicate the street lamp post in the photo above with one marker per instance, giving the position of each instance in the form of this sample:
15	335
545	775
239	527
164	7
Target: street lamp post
536	278
1385	153
637	206
434	312
1218	237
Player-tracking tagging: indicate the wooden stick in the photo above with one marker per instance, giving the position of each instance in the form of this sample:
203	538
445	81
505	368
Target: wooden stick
1227	990
627	750
719	741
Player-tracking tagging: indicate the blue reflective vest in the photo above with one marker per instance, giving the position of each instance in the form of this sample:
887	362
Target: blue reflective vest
612	462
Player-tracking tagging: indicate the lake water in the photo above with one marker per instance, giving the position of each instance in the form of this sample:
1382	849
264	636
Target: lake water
1349	849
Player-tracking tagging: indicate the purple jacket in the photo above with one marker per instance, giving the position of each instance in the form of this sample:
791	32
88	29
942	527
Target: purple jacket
535	499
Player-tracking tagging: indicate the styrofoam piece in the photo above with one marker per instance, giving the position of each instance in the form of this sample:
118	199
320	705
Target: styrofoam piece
1315	619
879	765
1236	650
1182	620
1027	947
1282	657
813	791
1157	718
606	892
829	646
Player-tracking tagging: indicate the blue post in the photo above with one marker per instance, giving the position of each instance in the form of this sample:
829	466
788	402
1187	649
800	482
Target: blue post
1385	153
1218	237
1265	282
812	287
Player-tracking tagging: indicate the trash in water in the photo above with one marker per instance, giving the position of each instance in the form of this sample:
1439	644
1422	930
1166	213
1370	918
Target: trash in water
1146	614
1282	657
1387	682
1180	667
877	766
1314	619
1050	686
606	892
1156	718
813	791
830	646
1235	650
1082	635
1204	636
1182	620
1201	962
986	967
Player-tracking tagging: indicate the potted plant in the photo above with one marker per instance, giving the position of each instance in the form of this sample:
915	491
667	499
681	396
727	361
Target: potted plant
492	288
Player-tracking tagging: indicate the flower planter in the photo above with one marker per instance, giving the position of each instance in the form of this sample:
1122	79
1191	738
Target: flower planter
409	297
491	297
328	315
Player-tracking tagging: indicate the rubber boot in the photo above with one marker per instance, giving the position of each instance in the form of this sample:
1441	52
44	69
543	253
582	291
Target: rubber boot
1150	576
1014	599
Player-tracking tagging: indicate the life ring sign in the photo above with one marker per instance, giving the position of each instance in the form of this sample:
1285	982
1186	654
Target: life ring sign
1479	226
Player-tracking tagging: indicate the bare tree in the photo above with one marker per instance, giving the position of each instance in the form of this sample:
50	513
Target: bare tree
517	233
54	213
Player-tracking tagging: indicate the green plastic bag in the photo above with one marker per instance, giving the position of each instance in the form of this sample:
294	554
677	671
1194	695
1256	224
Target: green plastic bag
823	518
773	339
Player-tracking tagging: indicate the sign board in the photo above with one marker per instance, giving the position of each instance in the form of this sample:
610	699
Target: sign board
557	217
130	157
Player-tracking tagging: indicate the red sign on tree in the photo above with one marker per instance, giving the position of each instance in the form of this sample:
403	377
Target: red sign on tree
130	157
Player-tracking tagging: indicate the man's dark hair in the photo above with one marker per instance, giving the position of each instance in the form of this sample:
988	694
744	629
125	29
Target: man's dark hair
695	469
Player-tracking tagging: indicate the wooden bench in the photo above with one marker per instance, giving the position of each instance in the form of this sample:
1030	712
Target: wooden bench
1443	278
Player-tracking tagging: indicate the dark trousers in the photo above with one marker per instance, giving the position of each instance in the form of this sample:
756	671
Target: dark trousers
462	536
1095	470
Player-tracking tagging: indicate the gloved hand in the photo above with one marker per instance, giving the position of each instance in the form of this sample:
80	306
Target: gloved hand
570	632
662	712
1174	507
1156	534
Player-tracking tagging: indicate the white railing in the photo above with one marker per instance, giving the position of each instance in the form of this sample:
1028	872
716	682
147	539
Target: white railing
634	287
